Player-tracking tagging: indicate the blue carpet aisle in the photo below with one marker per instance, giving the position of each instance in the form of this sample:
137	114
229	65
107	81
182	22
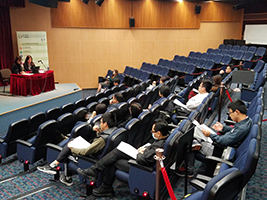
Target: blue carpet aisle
41	188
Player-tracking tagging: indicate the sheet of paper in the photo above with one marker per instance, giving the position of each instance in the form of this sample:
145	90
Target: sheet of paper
198	133
79	143
179	103
128	149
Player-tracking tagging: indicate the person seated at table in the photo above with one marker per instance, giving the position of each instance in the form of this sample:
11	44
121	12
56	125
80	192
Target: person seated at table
16	67
28	64
109	81
116	159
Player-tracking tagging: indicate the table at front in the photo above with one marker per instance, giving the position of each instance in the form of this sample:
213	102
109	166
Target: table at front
32	84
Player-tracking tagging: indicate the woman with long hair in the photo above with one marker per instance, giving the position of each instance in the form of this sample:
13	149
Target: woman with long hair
109	81
28	64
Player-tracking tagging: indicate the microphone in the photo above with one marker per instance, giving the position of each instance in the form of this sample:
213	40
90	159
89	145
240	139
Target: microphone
40	61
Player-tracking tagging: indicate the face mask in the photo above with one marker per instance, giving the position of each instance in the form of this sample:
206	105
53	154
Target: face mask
154	136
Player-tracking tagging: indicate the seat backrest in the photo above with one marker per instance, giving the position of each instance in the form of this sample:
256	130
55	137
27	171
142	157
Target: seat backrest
132	128
17	130
45	133
259	66
210	50
53	113
69	107
35	121
79	103
89	99
221	46
104	100
236	47
91	106
244	48
79	114
252	49
226	185
5	73
66	123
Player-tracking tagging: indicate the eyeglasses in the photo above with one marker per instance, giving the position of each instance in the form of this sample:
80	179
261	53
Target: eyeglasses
153	131
229	113
101	122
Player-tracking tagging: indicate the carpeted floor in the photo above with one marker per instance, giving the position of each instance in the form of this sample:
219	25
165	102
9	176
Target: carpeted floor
38	186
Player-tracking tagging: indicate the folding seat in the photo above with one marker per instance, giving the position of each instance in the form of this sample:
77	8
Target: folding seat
236	47
226	185
79	114
208	66
247	56
189	71
210	50
141	98
194	61
16	130
104	100
187	60
34	149
260	52
238	56
79	103
226	60
138	173
66	123
67	108
201	63
212	56
204	56
181	59
91	107
155	94
107	92
176	58
216	51
231	52
191	54
34	122
259	66
228	46
197	55
53	113
90	99
247	94
244	48
218	58
224	52
221	46
98	96
122	112
252	49
246	162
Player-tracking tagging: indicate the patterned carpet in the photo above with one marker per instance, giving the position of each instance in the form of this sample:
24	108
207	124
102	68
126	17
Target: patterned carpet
38	186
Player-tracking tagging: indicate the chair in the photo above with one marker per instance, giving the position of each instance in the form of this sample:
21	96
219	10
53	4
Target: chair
79	114
236	47
90	99
221	46
260	52
34	149
34	122
226	185
80	103
252	49
53	113
67	108
228	47
104	100
16	130
65	123
244	48
5	77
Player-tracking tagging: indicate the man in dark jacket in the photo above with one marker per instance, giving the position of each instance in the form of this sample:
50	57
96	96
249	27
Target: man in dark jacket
116	159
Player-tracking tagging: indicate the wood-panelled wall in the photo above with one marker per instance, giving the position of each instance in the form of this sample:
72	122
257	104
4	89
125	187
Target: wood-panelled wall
147	14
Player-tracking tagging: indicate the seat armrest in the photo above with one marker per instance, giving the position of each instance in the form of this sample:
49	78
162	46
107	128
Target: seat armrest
86	158
202	177
198	184
135	164
54	146
1	140
248	89
25	143
165	114
181	117
216	159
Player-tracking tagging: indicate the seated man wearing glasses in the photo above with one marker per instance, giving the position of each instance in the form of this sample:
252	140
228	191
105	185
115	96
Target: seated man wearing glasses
106	127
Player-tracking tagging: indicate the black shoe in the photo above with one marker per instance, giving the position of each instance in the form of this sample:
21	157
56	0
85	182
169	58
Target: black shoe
104	191
87	173
47	169
66	180
181	172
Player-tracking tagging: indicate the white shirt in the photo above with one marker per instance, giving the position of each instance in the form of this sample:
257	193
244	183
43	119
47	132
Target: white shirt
195	101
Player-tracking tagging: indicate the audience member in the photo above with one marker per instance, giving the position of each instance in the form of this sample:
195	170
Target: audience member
227	71
117	159
109	81
16	67
28	64
161	81
106	127
217	79
116	99
231	136
164	92
135	110
101	108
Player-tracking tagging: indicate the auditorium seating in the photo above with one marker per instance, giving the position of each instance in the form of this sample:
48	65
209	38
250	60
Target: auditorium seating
226	185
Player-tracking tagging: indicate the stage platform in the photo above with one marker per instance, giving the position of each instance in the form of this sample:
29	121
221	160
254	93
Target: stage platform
13	108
